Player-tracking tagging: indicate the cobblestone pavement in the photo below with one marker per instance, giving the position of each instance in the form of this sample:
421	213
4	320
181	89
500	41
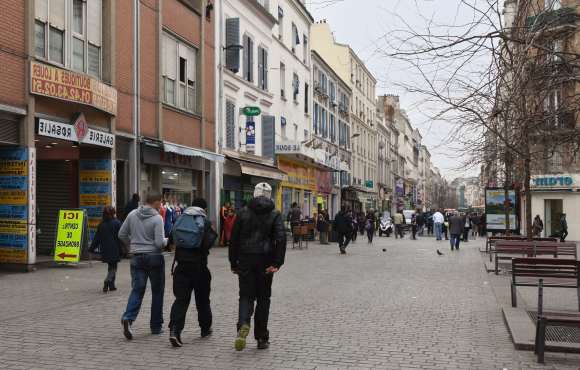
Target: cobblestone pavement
405	308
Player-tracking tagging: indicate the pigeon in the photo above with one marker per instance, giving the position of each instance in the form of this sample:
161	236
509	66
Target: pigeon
439	253
384	249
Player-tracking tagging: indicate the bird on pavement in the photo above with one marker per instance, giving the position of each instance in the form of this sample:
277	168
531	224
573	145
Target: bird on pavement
439	253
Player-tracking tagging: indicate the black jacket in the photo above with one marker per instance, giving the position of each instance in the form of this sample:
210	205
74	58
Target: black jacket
259	230
343	223
196	256
107	241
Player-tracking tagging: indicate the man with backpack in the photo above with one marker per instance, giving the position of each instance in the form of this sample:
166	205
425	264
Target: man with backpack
256	253
193	237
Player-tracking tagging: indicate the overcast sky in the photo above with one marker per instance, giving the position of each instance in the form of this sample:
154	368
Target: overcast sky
363	25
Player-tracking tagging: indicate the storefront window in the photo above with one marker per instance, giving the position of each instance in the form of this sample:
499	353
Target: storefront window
178	186
286	201
307	204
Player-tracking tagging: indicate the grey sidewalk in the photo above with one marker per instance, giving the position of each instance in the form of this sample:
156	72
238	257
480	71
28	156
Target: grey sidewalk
405	308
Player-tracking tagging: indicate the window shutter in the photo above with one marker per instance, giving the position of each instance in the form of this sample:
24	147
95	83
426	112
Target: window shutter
170	56
57	13
315	118
41	10
246	56
230	125
191	64
233	38
268	131
306	102
251	58
94	10
265	61
260	68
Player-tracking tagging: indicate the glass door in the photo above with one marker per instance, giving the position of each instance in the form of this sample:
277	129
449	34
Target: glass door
553	210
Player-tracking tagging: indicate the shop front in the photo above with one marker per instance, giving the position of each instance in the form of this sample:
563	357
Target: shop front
299	187
242	175
554	195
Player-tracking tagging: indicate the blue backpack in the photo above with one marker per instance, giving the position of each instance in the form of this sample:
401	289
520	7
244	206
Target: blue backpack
188	231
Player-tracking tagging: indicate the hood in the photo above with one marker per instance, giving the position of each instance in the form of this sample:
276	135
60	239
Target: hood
261	205
195	211
145	212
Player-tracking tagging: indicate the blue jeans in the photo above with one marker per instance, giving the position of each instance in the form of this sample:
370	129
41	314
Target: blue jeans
438	230
143	267
455	239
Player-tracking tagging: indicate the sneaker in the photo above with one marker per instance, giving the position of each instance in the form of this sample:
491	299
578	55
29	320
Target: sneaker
127	329
157	331
240	343
112	287
175	338
206	333
105	287
263	344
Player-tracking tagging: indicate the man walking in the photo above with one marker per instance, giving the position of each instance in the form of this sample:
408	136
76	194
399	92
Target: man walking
420	223
456	226
143	232
563	228
398	219
438	220
256	253
294	217
193	237
343	225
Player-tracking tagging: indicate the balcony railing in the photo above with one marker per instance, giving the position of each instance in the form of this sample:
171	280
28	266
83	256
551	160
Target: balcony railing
552	18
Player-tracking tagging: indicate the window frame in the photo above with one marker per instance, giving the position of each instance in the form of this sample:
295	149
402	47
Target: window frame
191	102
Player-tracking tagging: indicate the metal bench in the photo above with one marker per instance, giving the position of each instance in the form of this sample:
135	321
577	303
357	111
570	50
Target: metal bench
556	273
510	248
550	319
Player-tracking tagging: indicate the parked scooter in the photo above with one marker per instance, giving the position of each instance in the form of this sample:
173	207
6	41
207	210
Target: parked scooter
386	226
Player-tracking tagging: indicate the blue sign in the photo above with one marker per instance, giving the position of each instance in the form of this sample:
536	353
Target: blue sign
552	181
250	135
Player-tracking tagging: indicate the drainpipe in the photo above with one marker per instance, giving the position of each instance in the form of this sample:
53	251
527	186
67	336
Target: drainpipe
136	169
202	45
218	168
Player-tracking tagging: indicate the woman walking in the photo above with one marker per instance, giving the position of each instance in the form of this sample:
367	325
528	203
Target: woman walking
538	226
107	242
370	225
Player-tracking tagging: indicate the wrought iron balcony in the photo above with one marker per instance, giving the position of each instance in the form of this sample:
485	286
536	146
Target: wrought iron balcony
552	18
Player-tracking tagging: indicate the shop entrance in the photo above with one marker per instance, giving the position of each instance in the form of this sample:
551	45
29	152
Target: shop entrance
553	210
58	188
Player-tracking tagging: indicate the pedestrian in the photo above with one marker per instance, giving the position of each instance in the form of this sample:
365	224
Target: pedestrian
456	228
414	226
256	253
354	220
131	205
538	226
343	224
106	242
420	222
322	226
474	225
224	211
446	225
361	223
438	221
143	232
466	227
370	225
429	223
399	220
192	236
228	226
563	228
294	217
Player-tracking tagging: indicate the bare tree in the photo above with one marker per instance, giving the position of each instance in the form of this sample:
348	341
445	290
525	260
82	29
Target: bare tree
506	80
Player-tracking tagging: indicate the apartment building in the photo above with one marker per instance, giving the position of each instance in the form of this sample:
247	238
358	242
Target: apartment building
103	99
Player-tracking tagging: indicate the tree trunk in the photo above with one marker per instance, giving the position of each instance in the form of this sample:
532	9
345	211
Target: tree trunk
527	179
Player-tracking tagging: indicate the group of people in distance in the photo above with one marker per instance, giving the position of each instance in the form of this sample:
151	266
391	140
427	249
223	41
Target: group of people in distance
257	248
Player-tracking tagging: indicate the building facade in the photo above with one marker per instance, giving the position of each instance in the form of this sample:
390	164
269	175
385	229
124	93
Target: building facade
104	99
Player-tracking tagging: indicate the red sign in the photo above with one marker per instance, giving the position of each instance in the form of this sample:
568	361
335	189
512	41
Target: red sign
81	127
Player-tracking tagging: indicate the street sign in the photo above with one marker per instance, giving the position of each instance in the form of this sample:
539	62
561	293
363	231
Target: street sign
69	235
252	111
369	183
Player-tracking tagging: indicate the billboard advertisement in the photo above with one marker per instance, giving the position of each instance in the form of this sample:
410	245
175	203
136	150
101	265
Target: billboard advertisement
496	204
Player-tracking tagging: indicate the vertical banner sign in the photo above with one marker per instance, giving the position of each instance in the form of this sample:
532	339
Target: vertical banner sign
13	205
496	205
69	235
250	135
95	187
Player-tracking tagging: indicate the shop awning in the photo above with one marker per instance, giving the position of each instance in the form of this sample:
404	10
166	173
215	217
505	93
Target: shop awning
260	170
190	152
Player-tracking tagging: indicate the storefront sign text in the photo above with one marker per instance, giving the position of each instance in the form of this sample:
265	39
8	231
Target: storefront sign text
71	86
69	235
64	131
95	189
553	181
288	148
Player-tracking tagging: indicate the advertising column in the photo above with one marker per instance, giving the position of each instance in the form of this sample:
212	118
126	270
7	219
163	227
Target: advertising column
95	187
14	246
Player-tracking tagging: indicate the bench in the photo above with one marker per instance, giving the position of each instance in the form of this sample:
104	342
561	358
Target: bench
300	234
556	249
550	319
511	247
492	240
556	273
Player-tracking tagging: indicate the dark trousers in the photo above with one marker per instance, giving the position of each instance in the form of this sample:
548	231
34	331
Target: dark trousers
455	240
398	231
344	239
255	288
370	234
466	234
188	278
414	231
563	235
147	267
111	273
354	235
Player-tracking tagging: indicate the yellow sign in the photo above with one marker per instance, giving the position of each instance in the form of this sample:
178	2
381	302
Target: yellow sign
95	176
69	235
15	227
13	168
13	255
13	197
95	199
71	86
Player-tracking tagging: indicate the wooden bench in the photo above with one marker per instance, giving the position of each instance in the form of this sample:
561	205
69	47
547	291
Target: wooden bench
550	319
492	240
556	249
556	273
511	247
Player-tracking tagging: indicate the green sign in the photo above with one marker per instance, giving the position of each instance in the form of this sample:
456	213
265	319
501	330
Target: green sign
69	235
369	183
252	111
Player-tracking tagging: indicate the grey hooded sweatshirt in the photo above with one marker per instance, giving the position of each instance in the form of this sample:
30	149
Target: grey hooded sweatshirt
143	231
